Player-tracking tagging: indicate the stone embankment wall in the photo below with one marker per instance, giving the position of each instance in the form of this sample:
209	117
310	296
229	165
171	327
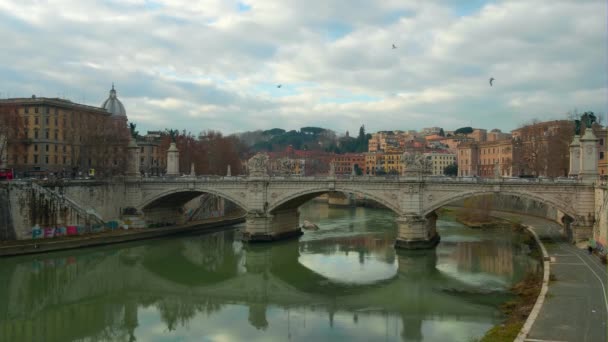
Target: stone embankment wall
519	205
600	228
46	210
30	210
7	230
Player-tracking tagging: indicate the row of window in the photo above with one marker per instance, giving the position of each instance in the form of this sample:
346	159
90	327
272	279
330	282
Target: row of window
46	147
47	120
36	159
46	110
47	134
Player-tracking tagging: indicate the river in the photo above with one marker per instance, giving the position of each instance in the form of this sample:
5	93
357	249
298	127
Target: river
342	282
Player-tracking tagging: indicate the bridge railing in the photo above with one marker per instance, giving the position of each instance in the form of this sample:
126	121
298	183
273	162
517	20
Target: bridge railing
369	178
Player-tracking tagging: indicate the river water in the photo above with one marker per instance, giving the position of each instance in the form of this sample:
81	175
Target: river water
342	282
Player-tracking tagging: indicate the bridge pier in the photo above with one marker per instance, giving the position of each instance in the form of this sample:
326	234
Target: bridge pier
417	232
278	225
338	199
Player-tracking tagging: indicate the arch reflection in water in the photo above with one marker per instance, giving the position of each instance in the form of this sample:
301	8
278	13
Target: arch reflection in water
214	286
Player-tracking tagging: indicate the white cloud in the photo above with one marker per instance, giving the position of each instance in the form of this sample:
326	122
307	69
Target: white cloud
190	64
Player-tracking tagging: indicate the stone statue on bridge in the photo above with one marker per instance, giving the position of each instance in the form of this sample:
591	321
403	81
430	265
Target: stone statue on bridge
258	165
416	163
286	166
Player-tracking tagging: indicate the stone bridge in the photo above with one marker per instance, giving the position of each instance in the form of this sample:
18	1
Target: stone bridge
271	203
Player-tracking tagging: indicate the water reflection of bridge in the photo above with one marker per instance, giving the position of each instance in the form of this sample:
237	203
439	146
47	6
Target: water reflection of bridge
83	294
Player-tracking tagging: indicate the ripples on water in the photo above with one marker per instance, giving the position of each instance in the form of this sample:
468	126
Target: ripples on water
342	282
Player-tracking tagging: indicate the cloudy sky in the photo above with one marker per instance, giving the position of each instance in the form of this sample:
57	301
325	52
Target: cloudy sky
216	64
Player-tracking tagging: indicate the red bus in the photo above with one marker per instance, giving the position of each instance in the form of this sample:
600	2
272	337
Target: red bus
6	174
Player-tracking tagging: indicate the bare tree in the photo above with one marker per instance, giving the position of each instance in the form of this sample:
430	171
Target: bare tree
13	135
541	148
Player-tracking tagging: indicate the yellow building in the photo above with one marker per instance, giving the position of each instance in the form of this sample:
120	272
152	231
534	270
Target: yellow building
439	161
60	136
372	159
393	163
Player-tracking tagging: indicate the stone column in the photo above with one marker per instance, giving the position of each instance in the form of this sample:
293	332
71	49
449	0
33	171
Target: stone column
417	232
133	159
279	225
588	157
228	172
172	160
575	152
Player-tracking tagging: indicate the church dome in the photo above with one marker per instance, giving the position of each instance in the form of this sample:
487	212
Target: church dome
113	104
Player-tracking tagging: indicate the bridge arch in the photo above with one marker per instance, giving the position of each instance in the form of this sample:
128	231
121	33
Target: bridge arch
295	199
188	194
568	210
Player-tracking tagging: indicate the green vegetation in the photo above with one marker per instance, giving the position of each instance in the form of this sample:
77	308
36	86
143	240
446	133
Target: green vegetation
307	138
464	130
504	332
451	170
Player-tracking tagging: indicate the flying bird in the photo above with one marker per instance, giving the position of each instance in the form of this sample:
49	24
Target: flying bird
394	46
279	85
491	79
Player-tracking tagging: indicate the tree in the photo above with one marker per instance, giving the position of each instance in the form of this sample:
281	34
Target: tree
312	130
451	170
211	152
273	132
463	130
362	140
542	148
13	135
441	132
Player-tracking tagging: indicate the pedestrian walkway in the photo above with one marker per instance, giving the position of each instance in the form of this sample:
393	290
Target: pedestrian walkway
576	305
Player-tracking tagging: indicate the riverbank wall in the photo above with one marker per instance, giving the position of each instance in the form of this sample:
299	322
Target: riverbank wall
600	227
520	205
119	236
28	208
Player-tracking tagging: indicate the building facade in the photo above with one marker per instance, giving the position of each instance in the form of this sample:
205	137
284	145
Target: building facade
468	159
496	158
3	152
152	159
439	161
62	137
346	164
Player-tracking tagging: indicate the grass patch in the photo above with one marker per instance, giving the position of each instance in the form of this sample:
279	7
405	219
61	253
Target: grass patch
517	310
503	333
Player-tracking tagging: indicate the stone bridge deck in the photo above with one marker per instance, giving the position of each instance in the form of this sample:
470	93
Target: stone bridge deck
272	202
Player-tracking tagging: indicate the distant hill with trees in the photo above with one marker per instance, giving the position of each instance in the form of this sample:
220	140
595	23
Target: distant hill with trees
307	138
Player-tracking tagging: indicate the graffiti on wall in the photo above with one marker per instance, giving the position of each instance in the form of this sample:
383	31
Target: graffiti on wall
72	230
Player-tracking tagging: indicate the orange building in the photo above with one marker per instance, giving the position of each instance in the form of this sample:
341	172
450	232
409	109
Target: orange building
346	163
468	159
478	134
496	154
